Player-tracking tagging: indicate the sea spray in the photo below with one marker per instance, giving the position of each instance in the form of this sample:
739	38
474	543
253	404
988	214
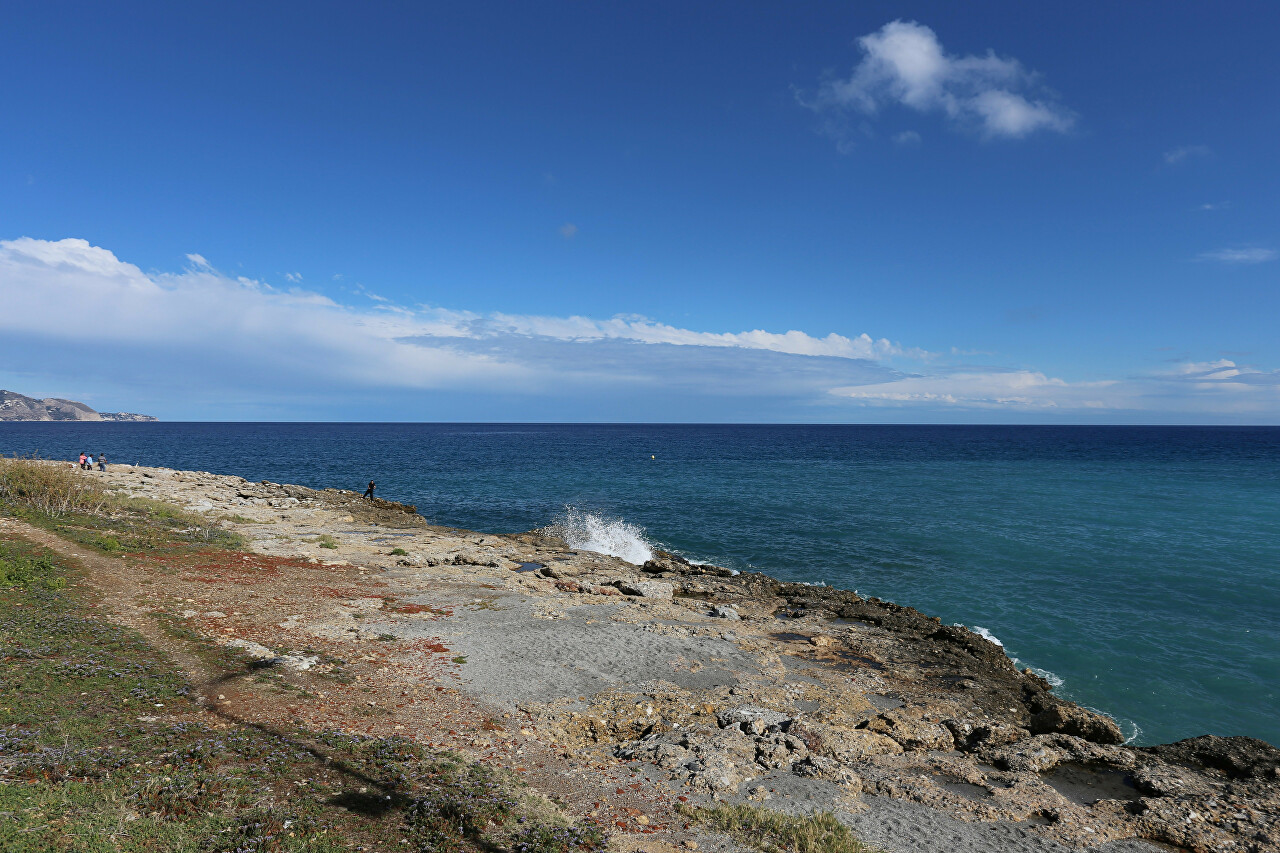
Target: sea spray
588	531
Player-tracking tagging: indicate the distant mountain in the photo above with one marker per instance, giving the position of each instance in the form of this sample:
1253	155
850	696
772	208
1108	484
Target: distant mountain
16	407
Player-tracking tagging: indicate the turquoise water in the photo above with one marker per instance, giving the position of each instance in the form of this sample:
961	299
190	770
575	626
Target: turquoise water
1141	566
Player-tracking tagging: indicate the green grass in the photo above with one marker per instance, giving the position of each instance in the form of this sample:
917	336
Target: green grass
27	567
775	832
103	749
324	540
399	552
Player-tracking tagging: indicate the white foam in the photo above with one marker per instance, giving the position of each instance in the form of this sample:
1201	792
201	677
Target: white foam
1055	681
1137	730
986	635
587	531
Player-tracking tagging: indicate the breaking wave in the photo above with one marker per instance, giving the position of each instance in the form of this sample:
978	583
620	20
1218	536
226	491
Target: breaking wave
1054	680
986	635
587	531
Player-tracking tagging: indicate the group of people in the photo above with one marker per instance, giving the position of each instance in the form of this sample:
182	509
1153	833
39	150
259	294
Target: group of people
86	462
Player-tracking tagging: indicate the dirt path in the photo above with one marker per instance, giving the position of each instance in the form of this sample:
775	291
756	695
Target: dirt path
375	690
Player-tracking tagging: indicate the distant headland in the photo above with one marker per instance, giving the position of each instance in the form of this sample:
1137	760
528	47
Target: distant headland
18	407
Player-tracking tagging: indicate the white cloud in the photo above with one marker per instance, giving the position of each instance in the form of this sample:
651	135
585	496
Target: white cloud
238	326
1222	372
646	331
1240	256
196	260
568	230
239	330
202	335
1015	389
293	277
908	138
1183	153
904	63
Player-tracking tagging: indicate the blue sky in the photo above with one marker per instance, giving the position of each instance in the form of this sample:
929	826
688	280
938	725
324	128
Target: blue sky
935	212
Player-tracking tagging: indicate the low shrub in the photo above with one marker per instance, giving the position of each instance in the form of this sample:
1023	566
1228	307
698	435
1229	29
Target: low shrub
775	832
25	570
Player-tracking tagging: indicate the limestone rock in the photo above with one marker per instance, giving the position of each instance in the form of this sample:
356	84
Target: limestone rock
779	750
1238	757
1032	755
906	726
850	745
752	720
1060	717
817	767
648	589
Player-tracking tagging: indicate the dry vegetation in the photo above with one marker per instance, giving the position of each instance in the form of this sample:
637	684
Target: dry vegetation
74	504
775	832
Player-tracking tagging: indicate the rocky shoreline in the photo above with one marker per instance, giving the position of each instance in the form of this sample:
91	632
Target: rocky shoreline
704	684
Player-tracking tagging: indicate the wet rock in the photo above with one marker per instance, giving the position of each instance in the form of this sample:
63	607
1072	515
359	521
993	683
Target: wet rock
1058	716
664	562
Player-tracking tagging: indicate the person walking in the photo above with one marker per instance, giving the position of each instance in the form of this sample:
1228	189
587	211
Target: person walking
368	493
102	462
88	465
82	458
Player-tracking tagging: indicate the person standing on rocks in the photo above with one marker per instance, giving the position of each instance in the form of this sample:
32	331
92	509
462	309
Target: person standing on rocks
82	458
368	493
102	463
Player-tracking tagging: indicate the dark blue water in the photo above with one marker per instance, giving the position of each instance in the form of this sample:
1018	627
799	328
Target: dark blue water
1139	565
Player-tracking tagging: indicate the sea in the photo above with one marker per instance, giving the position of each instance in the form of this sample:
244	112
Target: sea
1137	568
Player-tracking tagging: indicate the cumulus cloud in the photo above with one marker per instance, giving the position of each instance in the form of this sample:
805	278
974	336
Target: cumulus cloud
1182	153
903	63
238	327
1252	255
